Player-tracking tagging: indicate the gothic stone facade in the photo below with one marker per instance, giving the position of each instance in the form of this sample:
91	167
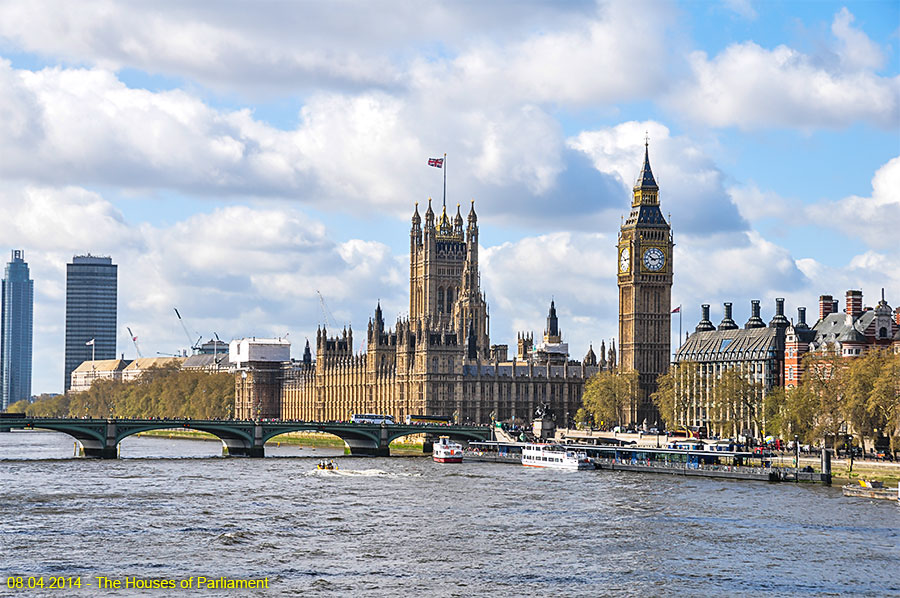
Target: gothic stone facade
645	290
438	361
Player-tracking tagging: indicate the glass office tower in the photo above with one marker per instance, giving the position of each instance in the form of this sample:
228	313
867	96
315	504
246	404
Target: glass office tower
16	322
91	284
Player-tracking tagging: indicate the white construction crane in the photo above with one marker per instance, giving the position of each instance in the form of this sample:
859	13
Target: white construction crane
325	312
195	345
134	340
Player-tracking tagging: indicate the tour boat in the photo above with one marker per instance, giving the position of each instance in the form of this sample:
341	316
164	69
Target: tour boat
445	451
554	457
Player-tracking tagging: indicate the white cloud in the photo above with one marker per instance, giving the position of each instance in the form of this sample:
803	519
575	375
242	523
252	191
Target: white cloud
738	265
874	220
755	204
743	8
692	187
294	47
749	86
348	152
577	270
855	49
235	271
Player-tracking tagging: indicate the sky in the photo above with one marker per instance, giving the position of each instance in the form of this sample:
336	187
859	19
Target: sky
256	164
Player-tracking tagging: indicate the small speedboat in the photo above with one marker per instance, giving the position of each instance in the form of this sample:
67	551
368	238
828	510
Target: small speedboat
873	489
327	465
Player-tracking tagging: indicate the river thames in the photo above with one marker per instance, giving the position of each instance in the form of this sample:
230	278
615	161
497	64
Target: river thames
405	526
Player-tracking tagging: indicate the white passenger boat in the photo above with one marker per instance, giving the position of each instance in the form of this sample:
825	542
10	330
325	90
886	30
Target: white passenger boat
554	456
446	451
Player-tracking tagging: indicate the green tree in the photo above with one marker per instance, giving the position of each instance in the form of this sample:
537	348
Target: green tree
884	397
49	406
824	387
611	396
676	390
735	402
582	418
18	406
159	392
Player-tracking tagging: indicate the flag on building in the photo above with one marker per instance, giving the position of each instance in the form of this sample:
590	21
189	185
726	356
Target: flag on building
90	342
677	310
436	162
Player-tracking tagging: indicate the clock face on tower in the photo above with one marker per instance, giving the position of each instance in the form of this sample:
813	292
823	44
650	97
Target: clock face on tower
624	260
654	259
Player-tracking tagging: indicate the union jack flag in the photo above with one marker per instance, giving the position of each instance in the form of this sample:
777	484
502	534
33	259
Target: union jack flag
436	162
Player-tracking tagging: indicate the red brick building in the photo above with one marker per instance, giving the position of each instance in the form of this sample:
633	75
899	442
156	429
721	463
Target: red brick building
850	333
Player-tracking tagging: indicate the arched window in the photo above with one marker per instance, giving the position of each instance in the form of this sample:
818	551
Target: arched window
882	333
440	301
450	300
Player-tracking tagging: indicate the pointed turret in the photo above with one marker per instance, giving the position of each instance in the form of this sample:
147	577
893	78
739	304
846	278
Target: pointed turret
590	359
552	322
379	320
646	180
429	216
602	355
307	354
416	219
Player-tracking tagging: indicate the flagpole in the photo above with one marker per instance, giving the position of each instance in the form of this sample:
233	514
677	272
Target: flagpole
445	179
679	324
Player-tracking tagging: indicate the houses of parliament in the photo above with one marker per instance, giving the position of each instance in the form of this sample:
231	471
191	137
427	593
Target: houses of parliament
440	360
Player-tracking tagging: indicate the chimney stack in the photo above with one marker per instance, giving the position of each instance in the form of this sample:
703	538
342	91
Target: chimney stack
854	307
801	318
778	320
755	321
727	323
825	306
704	325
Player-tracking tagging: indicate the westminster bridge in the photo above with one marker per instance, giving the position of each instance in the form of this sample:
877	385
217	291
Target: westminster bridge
101	437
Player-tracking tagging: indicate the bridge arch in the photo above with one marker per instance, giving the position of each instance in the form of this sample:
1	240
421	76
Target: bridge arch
90	434
237	438
360	441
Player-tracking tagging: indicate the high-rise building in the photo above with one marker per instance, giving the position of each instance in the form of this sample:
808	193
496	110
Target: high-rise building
91	284
16	331
645	292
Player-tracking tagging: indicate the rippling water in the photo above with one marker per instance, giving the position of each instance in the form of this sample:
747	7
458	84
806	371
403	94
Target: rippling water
411	527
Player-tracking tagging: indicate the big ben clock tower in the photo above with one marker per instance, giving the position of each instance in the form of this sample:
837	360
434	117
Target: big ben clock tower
645	293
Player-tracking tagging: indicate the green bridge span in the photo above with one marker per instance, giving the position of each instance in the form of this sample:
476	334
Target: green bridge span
247	438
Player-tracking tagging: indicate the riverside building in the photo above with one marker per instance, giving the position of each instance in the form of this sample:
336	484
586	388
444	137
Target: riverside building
645	273
91	291
16	331
771	356
438	361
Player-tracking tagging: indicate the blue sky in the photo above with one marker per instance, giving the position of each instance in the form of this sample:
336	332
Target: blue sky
235	160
